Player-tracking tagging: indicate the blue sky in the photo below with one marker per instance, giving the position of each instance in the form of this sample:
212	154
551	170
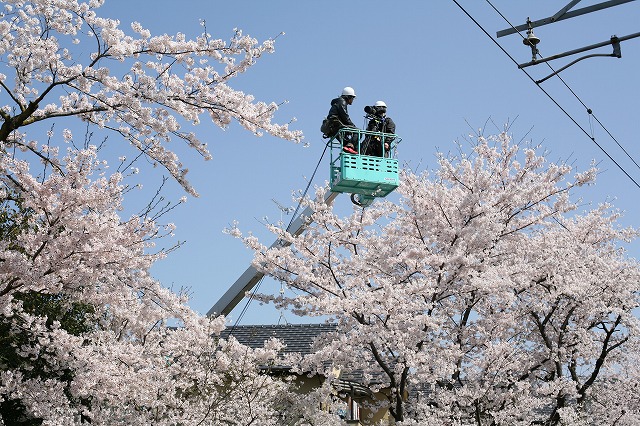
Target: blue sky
442	79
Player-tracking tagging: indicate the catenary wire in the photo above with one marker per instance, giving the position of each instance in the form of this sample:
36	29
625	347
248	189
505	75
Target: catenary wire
589	110
547	94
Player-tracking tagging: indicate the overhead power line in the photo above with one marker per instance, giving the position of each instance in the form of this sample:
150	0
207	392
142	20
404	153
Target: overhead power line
564	13
556	73
589	111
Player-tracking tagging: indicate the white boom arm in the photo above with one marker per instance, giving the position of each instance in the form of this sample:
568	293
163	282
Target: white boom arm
251	276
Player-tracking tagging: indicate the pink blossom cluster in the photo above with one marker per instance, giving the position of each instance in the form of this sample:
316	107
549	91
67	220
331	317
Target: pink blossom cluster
87	335
485	296
142	356
147	89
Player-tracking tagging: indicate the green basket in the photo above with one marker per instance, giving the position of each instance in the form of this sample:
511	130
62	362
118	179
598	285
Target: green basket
364	174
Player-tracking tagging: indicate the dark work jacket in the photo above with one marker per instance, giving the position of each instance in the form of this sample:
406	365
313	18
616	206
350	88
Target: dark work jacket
339	109
378	124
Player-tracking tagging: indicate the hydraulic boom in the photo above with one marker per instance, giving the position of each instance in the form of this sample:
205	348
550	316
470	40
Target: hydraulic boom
252	276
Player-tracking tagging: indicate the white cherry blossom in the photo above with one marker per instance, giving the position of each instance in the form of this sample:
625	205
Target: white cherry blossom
141	87
484	297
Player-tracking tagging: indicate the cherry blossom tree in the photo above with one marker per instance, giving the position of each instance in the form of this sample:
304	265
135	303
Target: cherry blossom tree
61	59
486	296
87	335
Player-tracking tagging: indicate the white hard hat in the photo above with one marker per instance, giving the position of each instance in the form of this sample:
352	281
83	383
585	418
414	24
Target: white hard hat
348	91
380	104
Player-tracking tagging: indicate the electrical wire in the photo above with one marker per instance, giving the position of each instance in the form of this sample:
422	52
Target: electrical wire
246	306
257	287
308	185
547	94
589	110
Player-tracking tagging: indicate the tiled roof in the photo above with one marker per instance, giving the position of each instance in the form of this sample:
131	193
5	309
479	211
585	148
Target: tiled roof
298	338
